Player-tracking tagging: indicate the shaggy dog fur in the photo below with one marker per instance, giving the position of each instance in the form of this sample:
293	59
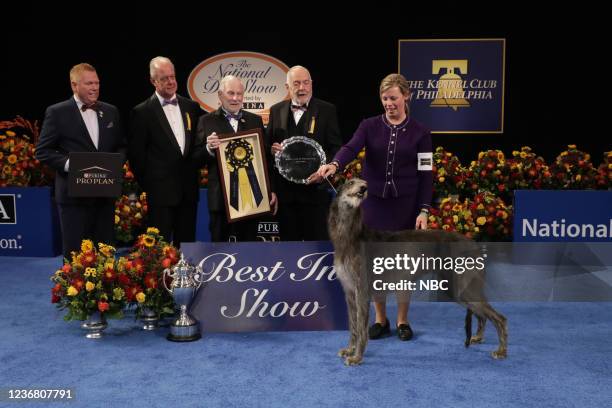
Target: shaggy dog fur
348	235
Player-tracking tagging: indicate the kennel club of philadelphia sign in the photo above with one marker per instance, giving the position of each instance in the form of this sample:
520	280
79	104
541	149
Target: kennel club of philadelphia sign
289	286
263	78
457	85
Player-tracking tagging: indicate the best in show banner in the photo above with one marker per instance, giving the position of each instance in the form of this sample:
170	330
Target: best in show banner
256	286
457	85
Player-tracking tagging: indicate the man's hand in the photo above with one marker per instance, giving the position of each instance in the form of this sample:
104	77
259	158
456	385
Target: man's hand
212	141
274	204
276	147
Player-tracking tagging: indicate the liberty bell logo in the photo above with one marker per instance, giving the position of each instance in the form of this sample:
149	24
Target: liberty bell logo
450	85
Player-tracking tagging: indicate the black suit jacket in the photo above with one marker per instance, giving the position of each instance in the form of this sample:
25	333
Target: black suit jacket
64	131
168	176
216	122
326	133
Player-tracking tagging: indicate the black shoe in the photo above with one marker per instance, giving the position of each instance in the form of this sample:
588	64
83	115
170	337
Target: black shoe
378	331
404	332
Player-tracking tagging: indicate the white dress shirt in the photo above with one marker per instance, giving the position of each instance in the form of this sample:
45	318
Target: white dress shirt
175	119
90	117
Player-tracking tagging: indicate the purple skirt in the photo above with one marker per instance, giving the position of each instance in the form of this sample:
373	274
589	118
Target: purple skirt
390	214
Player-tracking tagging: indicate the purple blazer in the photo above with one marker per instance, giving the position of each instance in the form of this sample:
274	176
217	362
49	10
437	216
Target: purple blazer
398	158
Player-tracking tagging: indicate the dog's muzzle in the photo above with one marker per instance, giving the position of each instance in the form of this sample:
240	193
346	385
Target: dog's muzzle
362	191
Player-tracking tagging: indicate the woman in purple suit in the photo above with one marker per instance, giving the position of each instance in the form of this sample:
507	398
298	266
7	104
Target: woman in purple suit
397	167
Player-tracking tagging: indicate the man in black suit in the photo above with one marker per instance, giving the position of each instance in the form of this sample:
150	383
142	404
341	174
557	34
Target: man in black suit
229	118
303	208
162	148
80	124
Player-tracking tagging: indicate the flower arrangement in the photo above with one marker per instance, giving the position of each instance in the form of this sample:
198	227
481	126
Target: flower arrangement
130	186
492	217
18	166
528	171
448	174
90	283
129	216
144	268
603	178
573	170
453	215
489	173
353	169
204	177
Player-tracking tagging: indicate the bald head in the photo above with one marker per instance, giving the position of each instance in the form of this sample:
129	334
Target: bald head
299	85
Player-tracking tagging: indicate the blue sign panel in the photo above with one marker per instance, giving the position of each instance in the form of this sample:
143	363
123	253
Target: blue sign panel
571	215
28	222
267	287
457	85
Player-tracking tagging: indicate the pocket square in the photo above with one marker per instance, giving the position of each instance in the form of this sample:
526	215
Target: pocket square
110	125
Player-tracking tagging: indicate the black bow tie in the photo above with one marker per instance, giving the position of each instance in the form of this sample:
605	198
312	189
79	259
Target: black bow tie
94	106
295	108
170	102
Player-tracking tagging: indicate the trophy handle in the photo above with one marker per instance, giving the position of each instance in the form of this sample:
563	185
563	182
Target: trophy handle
198	277
170	274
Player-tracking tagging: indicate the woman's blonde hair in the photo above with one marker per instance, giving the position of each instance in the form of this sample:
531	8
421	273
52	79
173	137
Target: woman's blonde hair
401	82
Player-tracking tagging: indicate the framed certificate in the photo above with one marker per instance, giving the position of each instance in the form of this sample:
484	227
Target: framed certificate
244	174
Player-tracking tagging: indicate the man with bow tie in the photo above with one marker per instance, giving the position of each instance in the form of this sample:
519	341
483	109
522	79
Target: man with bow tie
81	124
303	208
162	151
229	118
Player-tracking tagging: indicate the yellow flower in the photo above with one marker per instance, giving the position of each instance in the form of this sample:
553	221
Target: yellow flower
89	286
152	230
455	219
86	245
7	169
117	219
523	155
10	133
481	220
481	155
476	229
118	293
72	291
140	297
441	179
107	250
138	215
563	153
90	272
504	215
578	177
515	153
143	195
103	296
138	205
500	155
149	241
12	159
480	206
572	146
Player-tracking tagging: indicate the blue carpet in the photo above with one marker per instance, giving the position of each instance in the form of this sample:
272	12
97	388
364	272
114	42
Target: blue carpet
560	355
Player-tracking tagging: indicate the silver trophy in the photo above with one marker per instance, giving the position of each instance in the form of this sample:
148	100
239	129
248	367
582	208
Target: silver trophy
186	280
299	158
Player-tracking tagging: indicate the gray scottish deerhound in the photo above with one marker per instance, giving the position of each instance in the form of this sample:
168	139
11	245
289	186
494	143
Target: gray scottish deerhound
348	235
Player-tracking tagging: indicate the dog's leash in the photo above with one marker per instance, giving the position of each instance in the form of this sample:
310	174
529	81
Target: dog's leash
330	184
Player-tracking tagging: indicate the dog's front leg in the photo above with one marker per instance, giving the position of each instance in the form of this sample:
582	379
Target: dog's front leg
360	328
352	320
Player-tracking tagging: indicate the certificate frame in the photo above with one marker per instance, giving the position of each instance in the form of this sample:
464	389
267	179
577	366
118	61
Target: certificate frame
243	174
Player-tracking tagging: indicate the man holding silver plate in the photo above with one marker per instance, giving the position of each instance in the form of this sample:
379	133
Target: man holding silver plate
303	132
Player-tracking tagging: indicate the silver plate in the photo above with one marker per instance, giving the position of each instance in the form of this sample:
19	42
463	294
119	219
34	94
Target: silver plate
301	156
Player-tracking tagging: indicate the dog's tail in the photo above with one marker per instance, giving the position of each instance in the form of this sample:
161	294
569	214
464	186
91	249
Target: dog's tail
468	326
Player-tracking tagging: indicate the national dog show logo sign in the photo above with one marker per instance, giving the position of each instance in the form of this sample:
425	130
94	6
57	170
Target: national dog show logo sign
263	78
